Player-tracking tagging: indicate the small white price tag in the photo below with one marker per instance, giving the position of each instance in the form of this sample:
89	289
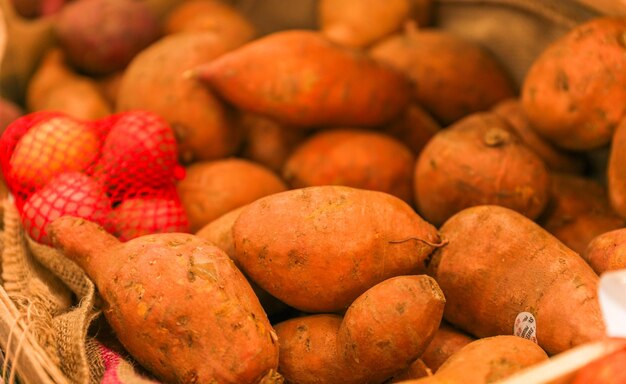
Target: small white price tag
612	297
525	326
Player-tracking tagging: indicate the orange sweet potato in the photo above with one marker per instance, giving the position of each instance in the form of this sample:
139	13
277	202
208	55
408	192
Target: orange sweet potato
219	232
417	370
555	158
447	341
574	93
214	16
498	263
616	170
479	160
578	211
359	23
212	188
177	303
300	78
607	251
381	333
154	81
354	158
453	77
487	360
298	243
267	142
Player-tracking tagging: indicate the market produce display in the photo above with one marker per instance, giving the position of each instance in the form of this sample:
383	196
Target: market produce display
368	198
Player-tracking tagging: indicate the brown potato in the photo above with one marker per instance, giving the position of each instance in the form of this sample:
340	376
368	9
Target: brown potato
479	160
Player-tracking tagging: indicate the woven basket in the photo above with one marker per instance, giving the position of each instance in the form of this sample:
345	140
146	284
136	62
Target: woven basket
516	31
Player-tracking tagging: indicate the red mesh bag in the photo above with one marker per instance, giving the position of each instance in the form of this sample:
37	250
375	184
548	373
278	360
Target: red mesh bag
120	172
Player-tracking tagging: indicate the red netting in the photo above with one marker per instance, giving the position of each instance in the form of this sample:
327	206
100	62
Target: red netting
119	171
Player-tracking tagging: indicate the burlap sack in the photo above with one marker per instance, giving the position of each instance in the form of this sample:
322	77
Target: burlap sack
58	303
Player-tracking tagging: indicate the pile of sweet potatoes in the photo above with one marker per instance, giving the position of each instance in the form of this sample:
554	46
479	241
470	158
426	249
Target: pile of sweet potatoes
372	200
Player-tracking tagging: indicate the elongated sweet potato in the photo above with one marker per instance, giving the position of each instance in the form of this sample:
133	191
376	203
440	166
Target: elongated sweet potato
487	360
578	211
212	188
574	93
555	158
381	333
298	243
607	251
177	303
498	263
300	78
453	77
154	81
479	160
354	158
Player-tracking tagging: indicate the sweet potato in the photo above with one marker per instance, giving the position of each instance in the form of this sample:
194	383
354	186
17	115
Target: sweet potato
447	341
212	188
416	370
498	263
57	87
608	369
154	81
214	16
177	303
479	160
414	128
354	158
297	243
220	233
381	333
616	170
267	142
607	251
453	77
102	36
359	23
578	211
300	78
556	159
487	360
573	93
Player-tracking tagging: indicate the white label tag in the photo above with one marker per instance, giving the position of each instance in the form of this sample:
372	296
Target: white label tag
612	297
526	326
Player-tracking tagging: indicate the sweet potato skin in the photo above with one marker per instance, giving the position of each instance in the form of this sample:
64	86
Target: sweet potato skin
212	188
578	211
516	266
295	244
344	156
452	77
556	159
381	333
157	290
479	160
487	360
573	93
414	128
447	341
607	251
154	81
273	76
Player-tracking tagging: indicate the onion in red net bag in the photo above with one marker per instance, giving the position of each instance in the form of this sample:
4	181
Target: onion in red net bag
119	171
